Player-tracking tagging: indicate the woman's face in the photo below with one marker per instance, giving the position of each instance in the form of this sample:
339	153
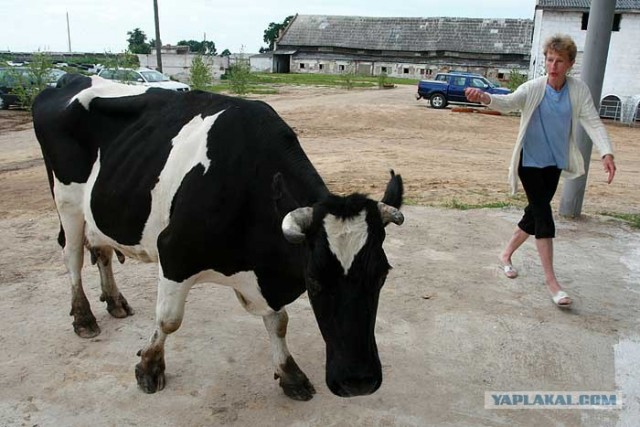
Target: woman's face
557	64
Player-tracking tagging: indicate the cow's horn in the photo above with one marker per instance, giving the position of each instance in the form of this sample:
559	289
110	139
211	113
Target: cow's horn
296	223
390	214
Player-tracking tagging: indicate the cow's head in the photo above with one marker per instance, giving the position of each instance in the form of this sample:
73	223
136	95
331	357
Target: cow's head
345	269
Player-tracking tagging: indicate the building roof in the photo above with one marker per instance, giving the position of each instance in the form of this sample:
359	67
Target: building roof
621	5
499	36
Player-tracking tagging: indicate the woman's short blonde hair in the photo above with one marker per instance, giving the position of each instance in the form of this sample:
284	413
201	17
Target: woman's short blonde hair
561	43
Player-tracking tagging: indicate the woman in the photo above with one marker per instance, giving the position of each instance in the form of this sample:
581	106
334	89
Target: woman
552	107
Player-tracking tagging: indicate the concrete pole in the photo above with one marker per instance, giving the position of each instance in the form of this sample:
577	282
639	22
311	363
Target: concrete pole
158	42
594	61
68	32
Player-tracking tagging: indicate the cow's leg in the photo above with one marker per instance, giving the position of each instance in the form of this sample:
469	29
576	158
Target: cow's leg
293	381
117	305
84	323
169	313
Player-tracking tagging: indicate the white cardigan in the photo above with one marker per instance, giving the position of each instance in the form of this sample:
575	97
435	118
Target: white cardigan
527	98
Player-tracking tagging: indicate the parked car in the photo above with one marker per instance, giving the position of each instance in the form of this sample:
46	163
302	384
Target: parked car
449	88
142	76
13	77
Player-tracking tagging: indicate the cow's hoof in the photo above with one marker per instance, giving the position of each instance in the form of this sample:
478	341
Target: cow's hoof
86	327
300	391
294	382
117	307
150	379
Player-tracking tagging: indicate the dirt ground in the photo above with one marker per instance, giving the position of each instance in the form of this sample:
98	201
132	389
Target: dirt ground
450	326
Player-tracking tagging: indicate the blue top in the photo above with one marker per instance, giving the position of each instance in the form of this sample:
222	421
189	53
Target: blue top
546	141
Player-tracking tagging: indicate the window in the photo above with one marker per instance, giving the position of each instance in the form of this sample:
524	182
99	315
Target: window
442	78
458	81
429	71
405	70
302	66
501	76
383	69
341	67
321	66
616	21
478	83
422	71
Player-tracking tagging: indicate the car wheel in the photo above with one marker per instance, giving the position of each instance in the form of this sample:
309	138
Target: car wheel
438	100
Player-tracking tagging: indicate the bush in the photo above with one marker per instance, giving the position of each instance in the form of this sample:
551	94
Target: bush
382	80
515	79
239	77
348	79
200	74
33	81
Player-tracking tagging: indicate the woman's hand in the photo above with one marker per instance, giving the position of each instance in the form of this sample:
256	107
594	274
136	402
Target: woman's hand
477	95
609	167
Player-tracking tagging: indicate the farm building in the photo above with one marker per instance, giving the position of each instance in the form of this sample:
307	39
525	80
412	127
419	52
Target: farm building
621	86
404	47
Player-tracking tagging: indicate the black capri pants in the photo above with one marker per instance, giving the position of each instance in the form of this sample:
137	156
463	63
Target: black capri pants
540	185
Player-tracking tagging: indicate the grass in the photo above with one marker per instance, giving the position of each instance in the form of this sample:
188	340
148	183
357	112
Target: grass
263	83
632	219
456	204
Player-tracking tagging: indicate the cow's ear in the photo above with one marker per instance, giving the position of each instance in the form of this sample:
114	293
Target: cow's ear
394	192
296	223
283	201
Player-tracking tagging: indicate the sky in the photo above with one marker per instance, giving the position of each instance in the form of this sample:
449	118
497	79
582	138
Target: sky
238	25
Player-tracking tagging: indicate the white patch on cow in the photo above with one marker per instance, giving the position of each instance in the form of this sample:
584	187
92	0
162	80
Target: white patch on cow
189	149
245	283
103	88
346	237
68	199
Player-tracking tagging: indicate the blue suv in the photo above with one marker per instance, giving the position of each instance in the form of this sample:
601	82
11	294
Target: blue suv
449	88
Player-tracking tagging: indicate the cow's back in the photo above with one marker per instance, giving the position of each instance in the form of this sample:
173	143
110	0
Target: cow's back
145	156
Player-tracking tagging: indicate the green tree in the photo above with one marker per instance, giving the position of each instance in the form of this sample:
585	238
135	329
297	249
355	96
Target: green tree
205	47
272	32
226	52
515	79
200	74
120	60
138	41
240	74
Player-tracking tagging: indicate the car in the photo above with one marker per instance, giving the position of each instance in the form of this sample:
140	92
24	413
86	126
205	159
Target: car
142	76
448	88
11	78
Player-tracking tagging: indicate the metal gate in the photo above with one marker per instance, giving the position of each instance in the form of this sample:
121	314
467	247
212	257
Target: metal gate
611	108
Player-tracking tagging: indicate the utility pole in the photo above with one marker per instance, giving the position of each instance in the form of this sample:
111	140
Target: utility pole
158	42
68	32
594	62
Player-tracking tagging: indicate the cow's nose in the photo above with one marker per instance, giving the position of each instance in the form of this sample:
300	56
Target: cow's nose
350	387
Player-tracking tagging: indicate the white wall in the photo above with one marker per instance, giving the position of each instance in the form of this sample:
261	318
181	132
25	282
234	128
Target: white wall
179	65
261	64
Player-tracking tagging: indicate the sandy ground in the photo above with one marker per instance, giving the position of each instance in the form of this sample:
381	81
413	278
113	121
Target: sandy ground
450	326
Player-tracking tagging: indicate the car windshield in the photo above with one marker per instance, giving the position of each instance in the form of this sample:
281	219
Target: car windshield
154	76
54	75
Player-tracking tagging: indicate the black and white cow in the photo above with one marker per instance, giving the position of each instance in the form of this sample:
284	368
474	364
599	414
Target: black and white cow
209	186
